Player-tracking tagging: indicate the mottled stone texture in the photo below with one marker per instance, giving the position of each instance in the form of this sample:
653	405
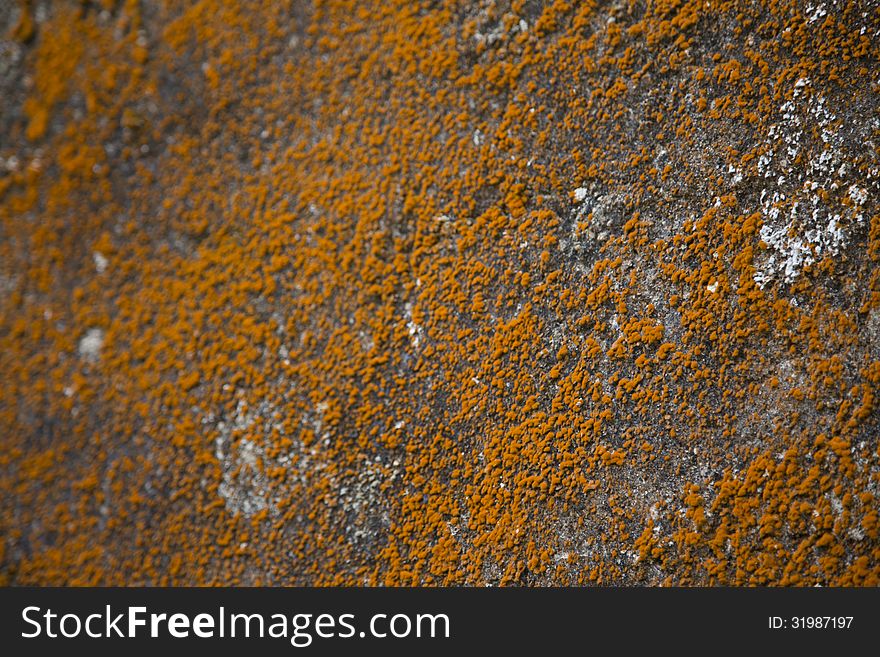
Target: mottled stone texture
439	292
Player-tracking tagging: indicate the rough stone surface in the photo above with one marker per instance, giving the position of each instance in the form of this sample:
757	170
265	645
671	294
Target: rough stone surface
419	293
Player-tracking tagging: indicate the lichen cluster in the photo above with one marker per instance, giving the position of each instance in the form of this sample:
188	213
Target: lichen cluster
440	292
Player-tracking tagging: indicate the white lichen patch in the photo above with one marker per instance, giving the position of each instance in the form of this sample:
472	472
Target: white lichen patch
801	238
243	488
90	344
101	262
415	331
815	12
804	208
858	195
365	499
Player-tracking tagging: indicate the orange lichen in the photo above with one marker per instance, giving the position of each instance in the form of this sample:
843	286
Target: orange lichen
435	293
